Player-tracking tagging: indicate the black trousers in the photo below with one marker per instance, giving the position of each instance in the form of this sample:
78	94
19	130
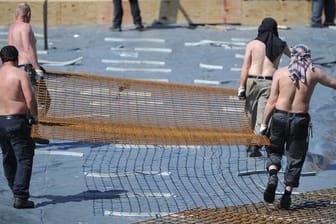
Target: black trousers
118	13
18	152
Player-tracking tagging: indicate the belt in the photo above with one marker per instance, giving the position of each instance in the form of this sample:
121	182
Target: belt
13	116
260	77
291	114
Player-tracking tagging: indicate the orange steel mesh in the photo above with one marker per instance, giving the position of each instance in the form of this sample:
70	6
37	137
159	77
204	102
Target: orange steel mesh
84	107
310	207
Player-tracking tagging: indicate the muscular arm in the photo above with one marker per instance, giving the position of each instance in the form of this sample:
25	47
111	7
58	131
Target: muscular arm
271	100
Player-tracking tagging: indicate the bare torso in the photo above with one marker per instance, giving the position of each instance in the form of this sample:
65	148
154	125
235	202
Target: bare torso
294	98
21	36
15	91
260	64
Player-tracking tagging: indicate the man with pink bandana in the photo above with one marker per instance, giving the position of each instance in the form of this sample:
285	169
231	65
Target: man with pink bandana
288	106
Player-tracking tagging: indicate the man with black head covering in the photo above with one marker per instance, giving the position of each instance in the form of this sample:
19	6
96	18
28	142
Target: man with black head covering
288	105
262	58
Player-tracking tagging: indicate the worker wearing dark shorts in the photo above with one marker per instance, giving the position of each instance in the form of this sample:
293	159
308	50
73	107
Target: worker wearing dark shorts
292	129
18	152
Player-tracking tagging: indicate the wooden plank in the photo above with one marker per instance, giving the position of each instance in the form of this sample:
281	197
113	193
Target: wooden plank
284	11
246	12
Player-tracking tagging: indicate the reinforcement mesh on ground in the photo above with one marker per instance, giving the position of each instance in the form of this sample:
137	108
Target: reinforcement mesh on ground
310	207
84	107
167	153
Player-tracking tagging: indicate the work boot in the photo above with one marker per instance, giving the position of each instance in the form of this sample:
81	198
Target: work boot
255	152
20	203
285	201
269	193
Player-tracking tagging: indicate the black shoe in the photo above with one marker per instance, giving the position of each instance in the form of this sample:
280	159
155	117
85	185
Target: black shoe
115	29
42	141
255	152
249	148
285	201
20	203
269	193
316	25
139	27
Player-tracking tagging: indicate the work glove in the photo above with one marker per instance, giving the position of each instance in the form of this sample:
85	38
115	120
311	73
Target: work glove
241	93
263	129
39	74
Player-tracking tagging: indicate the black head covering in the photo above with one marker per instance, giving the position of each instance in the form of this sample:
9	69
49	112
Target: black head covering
268	34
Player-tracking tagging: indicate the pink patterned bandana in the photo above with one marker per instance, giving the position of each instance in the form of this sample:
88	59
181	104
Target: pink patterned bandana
300	62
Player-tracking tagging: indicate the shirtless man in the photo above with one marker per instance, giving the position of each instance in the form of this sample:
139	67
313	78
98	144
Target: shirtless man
21	35
288	105
18	110
262	58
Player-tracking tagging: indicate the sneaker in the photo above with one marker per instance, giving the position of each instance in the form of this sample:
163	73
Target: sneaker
20	203
255	152
285	201
269	193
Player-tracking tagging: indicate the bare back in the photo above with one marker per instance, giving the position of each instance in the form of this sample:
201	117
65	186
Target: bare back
294	98
16	96
259	63
21	36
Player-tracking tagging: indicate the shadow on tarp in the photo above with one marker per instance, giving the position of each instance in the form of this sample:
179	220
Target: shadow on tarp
83	196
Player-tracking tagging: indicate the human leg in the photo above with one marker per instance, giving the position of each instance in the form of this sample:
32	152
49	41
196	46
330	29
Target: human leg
135	9
117	15
23	147
274	155
316	19
9	163
296	150
329	12
263	89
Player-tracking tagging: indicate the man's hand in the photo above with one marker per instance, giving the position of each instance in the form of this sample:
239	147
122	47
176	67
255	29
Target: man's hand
241	93
263	129
39	74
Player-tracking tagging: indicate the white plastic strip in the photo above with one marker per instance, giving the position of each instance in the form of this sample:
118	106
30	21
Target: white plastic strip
154	49
59	153
235	69
133	62
213	67
114	39
115	69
